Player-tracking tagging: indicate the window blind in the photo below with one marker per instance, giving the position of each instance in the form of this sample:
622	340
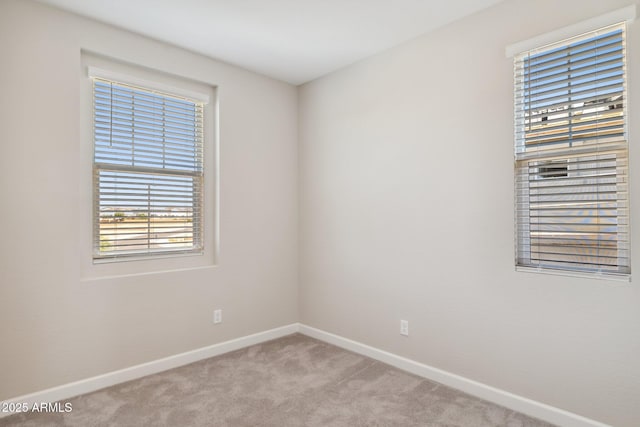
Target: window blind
148	172
572	207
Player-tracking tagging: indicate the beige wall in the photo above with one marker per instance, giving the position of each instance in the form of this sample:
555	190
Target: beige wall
406	203
57	322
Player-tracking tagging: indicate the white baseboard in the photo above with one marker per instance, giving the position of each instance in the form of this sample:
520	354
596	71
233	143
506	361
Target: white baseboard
504	398
88	385
509	400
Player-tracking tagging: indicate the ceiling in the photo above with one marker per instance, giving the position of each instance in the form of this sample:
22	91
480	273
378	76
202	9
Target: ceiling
291	40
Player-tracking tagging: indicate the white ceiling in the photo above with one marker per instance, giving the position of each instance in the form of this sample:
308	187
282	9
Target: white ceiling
291	40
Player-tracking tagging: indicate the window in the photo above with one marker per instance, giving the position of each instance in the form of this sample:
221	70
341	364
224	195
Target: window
555	169
148	171
571	155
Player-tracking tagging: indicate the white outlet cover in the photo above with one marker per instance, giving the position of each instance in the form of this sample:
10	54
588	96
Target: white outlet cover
404	327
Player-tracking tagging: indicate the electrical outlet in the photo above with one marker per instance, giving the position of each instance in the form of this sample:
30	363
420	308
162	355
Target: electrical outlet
404	327
217	316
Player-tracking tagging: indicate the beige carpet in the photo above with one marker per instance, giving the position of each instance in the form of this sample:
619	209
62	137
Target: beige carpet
291	381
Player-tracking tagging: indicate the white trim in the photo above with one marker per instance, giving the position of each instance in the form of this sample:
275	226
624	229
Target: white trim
512	401
88	385
626	14
100	73
146	273
509	400
567	273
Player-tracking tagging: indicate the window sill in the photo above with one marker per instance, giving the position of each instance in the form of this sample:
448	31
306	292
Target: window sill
145	257
145	273
602	276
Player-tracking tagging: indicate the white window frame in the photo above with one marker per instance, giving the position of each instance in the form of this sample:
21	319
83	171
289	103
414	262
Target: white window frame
540	43
117	181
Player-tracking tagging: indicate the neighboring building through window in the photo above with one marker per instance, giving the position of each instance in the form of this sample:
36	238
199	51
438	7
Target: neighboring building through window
572	207
148	171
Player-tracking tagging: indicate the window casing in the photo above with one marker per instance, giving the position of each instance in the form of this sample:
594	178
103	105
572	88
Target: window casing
571	156
148	172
